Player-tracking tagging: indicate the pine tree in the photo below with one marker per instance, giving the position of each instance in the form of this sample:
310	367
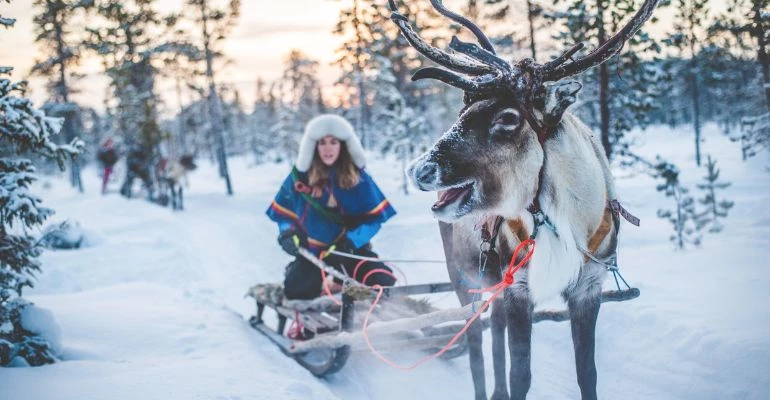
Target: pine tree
300	86
375	47
128	36
754	135
287	132
215	23
401	128
690	38
261	119
354	58
682	218
715	210
53	30
749	23
24	130
619	94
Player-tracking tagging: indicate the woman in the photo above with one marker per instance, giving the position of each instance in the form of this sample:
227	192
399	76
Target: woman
328	200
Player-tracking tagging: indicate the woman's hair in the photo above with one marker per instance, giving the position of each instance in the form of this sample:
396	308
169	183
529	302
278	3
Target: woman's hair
347	172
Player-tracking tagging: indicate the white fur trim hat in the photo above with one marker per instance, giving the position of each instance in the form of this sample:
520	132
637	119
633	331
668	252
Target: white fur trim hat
329	124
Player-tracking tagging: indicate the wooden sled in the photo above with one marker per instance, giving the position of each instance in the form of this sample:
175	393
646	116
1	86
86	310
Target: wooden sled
333	328
335	331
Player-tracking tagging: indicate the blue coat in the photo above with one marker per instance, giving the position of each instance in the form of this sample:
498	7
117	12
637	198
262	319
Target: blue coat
363	206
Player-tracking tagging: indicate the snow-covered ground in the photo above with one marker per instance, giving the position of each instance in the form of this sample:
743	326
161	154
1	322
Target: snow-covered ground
155	308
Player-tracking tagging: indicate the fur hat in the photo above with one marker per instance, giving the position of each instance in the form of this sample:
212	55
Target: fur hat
328	124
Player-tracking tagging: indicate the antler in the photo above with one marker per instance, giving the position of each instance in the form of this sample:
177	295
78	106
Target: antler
485	43
492	72
438	56
556	69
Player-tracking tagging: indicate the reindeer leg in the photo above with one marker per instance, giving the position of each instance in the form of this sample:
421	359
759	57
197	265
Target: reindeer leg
455	263
583	303
498	350
519	314
474	337
476	355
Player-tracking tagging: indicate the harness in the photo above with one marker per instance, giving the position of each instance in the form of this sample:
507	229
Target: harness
487	247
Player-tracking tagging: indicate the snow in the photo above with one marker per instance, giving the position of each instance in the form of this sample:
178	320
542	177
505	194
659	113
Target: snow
155	310
42	323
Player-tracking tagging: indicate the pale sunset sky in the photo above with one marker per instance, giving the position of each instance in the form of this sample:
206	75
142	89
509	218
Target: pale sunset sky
264	34
262	37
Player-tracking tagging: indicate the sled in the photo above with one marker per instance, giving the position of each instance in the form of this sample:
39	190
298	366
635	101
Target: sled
333	331
332	325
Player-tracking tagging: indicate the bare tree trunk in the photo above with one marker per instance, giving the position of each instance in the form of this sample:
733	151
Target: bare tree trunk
604	86
696	116
531	16
362	106
180	139
214	105
762	56
695	95
68	128
679	222
604	108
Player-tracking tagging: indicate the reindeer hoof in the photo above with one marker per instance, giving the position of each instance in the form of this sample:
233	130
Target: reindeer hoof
500	395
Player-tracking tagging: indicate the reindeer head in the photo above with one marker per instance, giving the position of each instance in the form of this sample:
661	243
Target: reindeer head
490	159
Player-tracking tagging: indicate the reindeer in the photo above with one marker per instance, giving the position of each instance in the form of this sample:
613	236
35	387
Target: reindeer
171	176
514	152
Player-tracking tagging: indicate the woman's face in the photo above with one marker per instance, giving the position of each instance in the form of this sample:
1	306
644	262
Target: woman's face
328	148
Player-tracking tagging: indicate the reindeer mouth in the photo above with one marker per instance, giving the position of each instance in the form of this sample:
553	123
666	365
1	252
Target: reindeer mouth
459	194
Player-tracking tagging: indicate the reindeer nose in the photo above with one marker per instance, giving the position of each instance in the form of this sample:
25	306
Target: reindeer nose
425	174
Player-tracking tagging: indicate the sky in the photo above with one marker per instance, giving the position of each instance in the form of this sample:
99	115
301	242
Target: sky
264	34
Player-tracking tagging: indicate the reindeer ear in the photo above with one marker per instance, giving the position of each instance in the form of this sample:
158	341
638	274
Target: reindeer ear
558	96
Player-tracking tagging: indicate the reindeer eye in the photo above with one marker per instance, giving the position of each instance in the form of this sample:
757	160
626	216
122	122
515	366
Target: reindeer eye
507	119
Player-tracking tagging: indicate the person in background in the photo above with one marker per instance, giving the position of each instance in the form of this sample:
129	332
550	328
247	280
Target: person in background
329	200
108	156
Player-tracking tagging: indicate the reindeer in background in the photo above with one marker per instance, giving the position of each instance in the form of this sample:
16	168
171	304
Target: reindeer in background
514	152
172	176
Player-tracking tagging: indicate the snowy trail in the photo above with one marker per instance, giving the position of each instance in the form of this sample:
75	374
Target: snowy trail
156	309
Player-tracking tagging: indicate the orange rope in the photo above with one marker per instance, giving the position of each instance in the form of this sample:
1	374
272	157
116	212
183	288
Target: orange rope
327	290
506	281
376	270
296	327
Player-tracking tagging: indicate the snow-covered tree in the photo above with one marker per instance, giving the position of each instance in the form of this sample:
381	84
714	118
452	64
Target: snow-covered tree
214	23
369	38
286	131
129	37
754	135
24	131
54	32
262	118
300	88
399	128
690	38
617	95
236	124
683	216
715	209
748	21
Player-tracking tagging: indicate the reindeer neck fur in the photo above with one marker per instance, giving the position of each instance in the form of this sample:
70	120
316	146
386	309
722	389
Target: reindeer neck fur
572	195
